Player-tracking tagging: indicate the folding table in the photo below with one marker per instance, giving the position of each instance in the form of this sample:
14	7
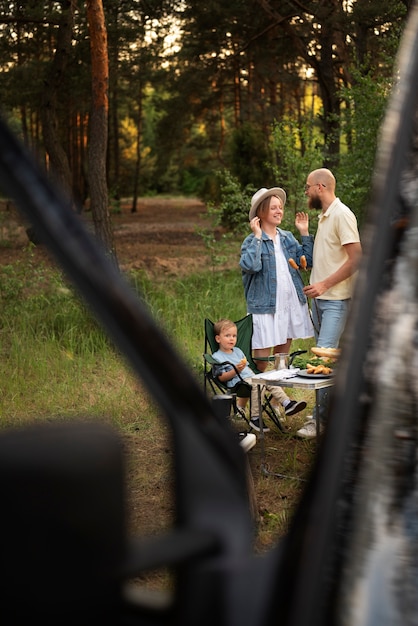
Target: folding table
289	378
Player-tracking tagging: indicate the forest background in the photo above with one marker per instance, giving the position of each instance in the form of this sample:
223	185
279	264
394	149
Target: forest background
123	99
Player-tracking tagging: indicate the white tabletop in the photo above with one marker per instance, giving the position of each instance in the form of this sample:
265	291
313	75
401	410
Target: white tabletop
286	378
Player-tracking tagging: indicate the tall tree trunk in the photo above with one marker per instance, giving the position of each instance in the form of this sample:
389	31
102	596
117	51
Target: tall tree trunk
77	145
98	126
237	94
60	170
138	149
222	125
330	84
328	70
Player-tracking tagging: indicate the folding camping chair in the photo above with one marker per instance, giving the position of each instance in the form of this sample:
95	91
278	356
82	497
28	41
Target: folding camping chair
241	389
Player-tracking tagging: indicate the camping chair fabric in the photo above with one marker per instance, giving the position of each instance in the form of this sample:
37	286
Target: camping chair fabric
241	389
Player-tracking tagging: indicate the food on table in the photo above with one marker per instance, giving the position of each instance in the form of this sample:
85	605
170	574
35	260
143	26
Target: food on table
318	369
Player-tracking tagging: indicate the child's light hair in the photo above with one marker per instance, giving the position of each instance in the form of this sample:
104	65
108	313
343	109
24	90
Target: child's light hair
223	324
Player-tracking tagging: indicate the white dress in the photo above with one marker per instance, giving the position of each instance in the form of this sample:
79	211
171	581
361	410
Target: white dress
291	319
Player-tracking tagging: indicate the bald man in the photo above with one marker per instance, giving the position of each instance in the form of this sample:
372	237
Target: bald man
336	254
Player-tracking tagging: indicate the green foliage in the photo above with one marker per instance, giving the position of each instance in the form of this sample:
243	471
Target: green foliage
230	217
299	150
114	202
180	109
216	246
361	119
182	305
232	212
192	181
248	155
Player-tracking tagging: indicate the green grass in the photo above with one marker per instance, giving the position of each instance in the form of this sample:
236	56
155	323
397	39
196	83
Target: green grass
56	360
181	306
58	364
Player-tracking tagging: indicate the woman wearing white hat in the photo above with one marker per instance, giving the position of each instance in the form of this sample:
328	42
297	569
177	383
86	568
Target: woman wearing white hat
273	288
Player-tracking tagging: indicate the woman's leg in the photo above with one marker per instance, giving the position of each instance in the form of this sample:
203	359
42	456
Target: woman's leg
284	347
261	352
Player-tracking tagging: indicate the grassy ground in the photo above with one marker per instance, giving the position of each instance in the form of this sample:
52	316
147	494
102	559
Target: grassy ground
56	364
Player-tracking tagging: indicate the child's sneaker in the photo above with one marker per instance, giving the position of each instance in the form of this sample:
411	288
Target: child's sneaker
255	423
294	407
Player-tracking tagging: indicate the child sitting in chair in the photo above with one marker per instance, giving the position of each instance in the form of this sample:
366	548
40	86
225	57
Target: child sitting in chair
226	337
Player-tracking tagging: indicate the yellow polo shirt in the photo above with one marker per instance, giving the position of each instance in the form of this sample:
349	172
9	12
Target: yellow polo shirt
336	228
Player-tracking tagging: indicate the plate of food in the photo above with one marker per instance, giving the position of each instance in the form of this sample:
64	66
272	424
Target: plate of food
316	371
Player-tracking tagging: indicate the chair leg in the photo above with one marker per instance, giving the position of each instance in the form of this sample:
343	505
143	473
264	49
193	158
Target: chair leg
252	498
238	411
269	410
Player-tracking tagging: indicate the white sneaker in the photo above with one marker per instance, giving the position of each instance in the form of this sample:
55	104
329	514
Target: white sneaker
308	431
247	441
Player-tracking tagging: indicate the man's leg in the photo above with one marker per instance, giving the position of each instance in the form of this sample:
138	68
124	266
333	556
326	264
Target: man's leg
329	318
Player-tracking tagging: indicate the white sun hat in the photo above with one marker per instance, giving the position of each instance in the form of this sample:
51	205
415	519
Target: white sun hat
261	195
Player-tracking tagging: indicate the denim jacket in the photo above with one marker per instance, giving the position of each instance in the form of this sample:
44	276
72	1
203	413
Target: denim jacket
258	265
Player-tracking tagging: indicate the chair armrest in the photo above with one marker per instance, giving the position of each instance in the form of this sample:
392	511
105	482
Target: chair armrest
209	359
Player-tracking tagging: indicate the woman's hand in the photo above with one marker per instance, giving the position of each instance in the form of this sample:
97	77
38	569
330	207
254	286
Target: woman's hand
302	222
255	225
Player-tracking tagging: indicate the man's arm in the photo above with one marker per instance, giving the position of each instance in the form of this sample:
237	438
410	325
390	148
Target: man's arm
345	271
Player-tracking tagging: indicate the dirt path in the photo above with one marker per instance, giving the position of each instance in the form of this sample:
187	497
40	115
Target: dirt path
161	237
